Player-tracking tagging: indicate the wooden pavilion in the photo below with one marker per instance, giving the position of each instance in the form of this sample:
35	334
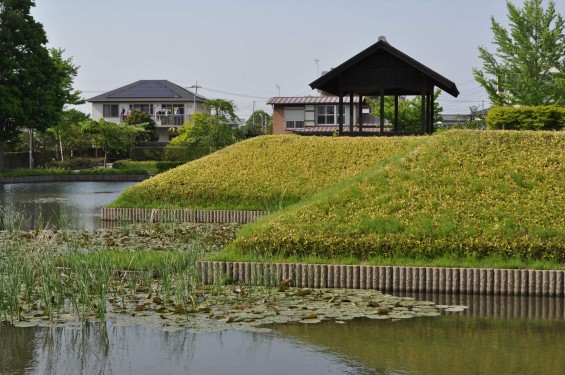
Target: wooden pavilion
378	71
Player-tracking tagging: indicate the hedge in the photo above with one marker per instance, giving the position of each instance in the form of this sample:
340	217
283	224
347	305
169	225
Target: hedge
526	118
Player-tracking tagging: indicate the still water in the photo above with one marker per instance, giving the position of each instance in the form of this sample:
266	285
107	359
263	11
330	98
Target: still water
496	335
432	345
58	204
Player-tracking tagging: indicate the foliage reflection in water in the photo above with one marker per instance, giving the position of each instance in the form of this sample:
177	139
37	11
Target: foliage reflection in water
444	345
57	204
134	349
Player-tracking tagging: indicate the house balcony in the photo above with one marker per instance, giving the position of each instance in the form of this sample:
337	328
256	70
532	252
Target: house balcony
164	120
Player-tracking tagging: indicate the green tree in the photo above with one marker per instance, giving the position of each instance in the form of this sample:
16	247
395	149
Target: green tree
205	132
110	136
409	111
258	123
528	67
34	83
143	120
67	132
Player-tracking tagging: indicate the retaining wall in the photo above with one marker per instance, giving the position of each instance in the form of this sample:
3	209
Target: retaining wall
73	178
391	278
180	215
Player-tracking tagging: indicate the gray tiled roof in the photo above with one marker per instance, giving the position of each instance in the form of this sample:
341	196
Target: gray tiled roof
146	90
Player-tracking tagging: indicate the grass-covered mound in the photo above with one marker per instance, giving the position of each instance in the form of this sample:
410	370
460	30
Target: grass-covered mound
263	173
461	193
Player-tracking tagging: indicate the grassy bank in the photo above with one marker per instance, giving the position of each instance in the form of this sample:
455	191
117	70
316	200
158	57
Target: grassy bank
459	194
263	173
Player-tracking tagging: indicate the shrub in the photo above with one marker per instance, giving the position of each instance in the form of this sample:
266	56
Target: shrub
461	193
265	172
163	166
526	118
147	153
148	166
75	163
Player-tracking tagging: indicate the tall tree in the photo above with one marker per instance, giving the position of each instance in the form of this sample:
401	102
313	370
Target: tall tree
32	86
528	67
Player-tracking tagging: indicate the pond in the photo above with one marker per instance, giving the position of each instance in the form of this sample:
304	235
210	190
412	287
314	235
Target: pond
431	345
495	335
58	204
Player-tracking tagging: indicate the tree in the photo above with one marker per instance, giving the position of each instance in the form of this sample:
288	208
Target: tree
110	136
409	111
205	132
32	84
144	120
528	67
259	123
67	131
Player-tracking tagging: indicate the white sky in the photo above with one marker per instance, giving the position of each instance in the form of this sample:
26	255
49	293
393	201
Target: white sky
246	50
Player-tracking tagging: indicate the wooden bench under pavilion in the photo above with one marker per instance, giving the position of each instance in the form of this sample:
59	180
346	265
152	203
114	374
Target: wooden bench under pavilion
378	71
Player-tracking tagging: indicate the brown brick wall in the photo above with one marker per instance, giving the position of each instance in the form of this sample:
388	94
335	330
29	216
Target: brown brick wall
278	120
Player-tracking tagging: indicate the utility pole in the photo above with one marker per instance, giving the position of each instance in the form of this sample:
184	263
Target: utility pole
278	88
196	87
317	62
253	114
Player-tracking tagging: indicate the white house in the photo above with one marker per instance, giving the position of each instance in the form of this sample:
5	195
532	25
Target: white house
168	104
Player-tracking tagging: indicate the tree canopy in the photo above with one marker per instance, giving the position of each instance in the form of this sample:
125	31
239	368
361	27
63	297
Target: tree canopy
260	122
110	136
205	132
34	83
528	67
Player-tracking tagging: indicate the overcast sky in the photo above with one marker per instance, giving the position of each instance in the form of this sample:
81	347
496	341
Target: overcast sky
249	50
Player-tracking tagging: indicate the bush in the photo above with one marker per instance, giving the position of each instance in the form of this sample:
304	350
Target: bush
185	152
461	193
265	172
149	166
163	166
147	153
75	163
526	118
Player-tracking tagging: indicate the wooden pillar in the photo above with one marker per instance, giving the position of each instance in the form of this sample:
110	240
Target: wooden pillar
423	114
351	112
360	113
340	109
382	116
432	111
395	113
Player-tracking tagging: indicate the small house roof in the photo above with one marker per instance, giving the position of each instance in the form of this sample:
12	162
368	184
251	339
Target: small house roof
309	100
148	90
381	66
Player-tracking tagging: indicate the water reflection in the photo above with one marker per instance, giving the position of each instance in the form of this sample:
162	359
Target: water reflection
57	204
444	345
114	349
481	305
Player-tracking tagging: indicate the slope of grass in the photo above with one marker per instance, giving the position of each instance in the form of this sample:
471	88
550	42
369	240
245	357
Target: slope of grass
263	173
462	193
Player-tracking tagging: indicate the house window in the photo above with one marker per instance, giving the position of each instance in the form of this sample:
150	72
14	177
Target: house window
147	108
325	114
294	117
294	124
111	110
